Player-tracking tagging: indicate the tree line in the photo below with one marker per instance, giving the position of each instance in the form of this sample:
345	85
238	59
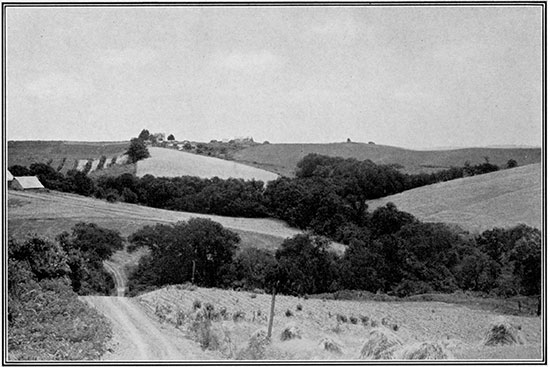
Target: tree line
326	193
394	254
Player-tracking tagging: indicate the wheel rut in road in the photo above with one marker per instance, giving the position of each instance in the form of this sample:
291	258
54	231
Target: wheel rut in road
137	336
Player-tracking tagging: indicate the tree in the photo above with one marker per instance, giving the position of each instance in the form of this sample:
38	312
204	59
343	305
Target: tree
99	243
144	135
18	170
174	249
86	247
388	219
511	163
305	266
171	137
526	258
137	150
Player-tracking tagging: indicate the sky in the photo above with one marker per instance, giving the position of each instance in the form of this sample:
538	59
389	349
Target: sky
409	76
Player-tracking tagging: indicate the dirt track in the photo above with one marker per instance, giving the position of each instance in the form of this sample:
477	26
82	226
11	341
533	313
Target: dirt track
136	336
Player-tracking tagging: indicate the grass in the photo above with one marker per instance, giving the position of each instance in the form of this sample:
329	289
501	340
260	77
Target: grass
172	163
460	329
498	199
50	213
282	158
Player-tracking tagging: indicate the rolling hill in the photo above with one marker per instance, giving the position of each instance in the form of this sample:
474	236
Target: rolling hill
50	213
498	199
282	158
172	163
64	154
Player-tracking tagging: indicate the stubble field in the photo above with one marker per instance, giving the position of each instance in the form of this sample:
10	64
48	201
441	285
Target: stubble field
460	329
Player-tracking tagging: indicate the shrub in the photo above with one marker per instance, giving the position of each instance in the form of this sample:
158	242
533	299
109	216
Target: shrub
299	307
365	320
353	320
112	196
288	313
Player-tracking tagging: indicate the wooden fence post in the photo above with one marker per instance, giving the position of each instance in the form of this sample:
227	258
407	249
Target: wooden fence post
271	313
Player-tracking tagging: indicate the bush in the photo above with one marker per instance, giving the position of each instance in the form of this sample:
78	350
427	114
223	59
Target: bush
288	313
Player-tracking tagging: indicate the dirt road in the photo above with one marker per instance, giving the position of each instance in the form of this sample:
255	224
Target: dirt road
136	336
118	275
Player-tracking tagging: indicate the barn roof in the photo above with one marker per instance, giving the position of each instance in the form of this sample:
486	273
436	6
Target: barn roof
29	182
9	176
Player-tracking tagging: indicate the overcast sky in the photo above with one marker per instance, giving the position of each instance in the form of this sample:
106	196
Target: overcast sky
415	77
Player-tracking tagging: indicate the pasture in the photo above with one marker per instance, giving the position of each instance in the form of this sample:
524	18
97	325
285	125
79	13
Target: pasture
459	329
282	158
498	199
172	163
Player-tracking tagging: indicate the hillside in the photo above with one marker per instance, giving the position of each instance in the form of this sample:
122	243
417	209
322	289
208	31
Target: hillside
282	158
48	214
460	329
498	199
172	163
64	155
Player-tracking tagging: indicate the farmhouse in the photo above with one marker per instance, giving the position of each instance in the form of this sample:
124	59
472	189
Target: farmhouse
26	183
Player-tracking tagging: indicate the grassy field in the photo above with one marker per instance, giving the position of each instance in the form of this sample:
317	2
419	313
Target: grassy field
25	153
48	214
282	158
461	329
498	199
172	163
